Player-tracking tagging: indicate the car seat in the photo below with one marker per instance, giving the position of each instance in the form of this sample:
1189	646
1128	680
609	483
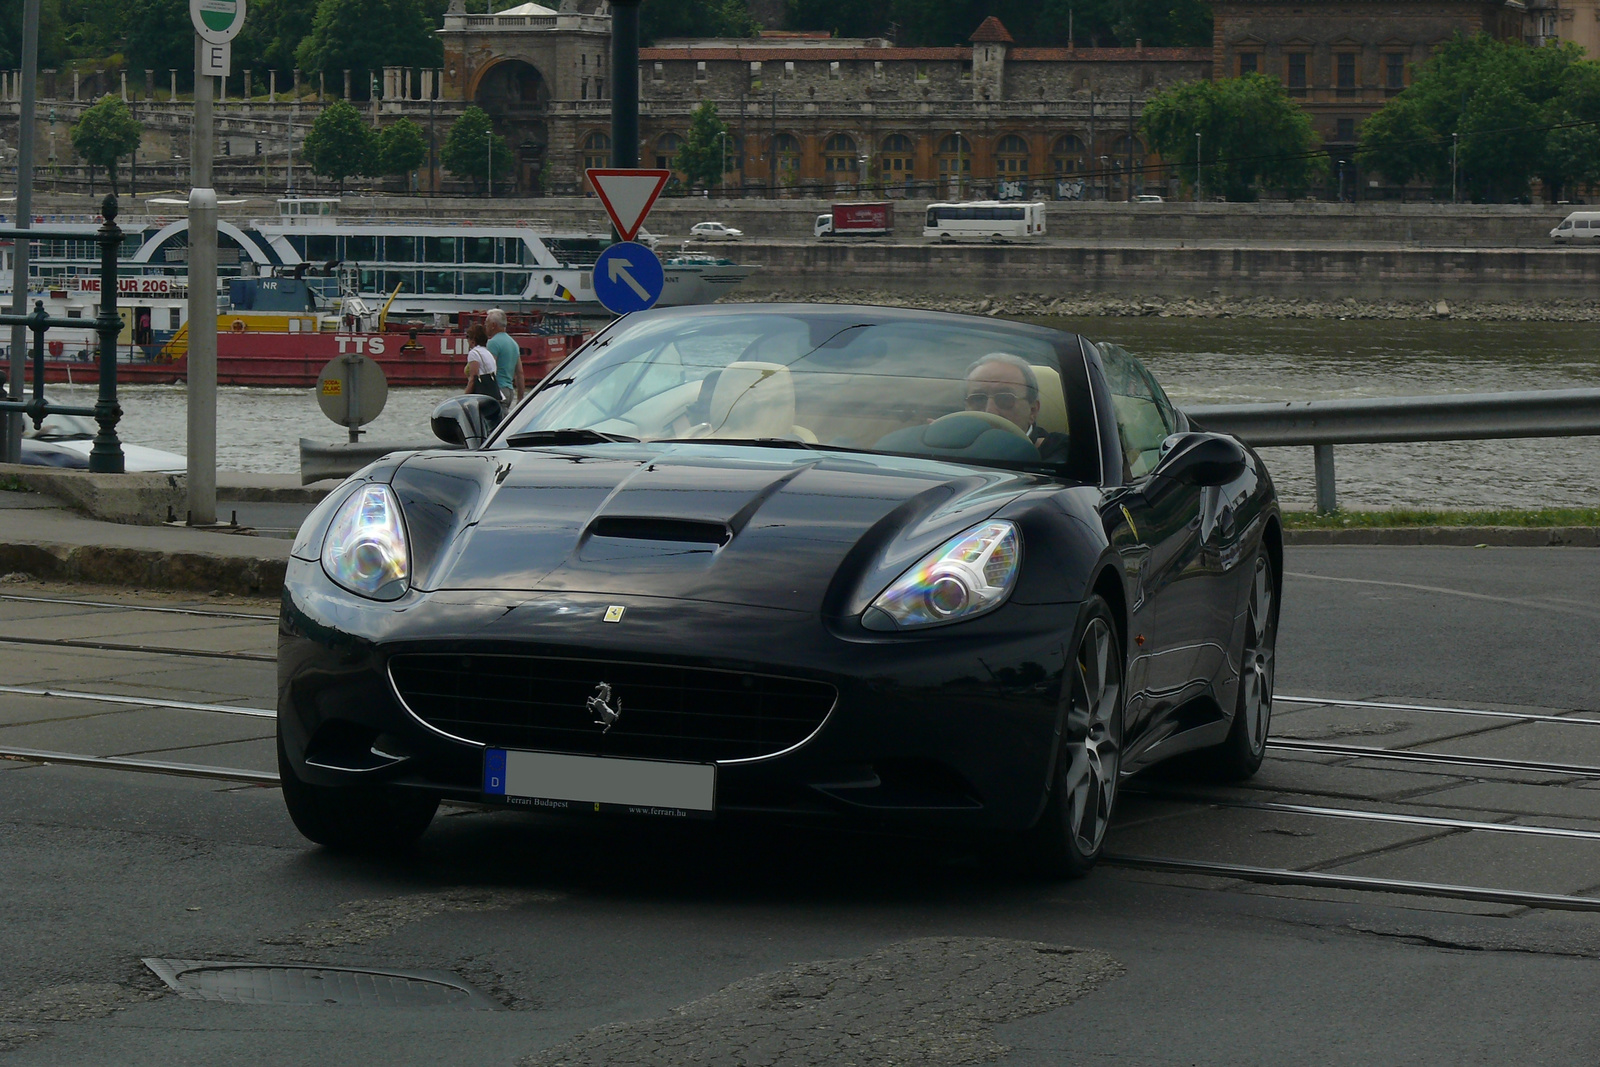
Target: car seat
754	399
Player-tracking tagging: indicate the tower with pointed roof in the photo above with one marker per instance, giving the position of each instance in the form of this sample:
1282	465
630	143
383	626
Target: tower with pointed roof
990	43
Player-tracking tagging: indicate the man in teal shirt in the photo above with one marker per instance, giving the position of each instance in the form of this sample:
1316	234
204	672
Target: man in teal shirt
507	357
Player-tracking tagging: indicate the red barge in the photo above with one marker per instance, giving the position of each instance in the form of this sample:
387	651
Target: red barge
285	342
293	360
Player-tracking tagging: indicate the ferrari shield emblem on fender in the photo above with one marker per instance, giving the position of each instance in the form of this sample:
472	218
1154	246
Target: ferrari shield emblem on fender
614	613
601	708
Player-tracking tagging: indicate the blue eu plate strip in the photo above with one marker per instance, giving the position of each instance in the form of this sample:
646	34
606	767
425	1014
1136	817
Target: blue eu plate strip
494	772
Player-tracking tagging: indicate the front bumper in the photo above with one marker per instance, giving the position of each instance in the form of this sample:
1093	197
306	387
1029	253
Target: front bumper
956	724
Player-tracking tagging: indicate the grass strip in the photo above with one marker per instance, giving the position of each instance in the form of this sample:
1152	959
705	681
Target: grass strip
1401	517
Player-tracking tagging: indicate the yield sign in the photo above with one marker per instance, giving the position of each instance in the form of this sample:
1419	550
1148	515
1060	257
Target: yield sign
628	195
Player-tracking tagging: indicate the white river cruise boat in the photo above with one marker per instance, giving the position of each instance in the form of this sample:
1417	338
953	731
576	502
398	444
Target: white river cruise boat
450	266
439	267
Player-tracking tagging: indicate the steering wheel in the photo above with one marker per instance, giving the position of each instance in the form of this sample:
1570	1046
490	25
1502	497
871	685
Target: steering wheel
999	422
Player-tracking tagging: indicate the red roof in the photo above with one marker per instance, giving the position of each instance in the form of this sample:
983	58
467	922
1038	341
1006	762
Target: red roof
1113	55
757	54
991	30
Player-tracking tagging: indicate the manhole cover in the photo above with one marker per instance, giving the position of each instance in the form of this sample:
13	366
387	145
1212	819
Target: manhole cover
309	984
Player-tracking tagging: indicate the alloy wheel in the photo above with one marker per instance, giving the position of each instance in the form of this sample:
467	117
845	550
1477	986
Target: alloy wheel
1257	668
1091	779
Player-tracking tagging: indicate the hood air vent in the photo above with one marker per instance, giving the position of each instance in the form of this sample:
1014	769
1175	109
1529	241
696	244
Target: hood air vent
643	528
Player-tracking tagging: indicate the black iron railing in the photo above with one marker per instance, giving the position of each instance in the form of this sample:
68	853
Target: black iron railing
105	456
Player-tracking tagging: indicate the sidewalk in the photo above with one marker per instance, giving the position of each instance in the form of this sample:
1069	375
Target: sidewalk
46	539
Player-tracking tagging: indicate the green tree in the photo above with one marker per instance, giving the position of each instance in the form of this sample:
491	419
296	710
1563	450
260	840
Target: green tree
104	134
52	43
1509	114
705	155
340	144
1252	136
401	148
272	32
363	36
159	37
695	18
472	141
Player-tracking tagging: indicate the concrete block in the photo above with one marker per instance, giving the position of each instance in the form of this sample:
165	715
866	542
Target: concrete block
138	499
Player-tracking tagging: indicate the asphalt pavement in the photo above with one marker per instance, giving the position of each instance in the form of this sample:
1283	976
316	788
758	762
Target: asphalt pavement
537	941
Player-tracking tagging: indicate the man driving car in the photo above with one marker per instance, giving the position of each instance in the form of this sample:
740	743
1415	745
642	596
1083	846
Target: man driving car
1006	385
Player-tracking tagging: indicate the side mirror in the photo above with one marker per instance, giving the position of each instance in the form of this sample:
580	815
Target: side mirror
467	420
1201	459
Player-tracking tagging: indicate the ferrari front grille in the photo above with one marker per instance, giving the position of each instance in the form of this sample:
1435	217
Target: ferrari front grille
550	704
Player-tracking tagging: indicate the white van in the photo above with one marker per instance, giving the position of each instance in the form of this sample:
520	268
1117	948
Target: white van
1578	226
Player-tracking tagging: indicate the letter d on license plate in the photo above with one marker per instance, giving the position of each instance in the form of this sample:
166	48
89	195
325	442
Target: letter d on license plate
575	783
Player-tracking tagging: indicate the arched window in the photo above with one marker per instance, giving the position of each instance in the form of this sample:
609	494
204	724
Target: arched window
1011	158
955	162
894	157
1069	155
667	146
955	154
1127	161
839	158
786	150
596	150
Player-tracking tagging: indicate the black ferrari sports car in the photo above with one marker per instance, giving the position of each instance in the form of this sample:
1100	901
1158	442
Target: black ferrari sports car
886	567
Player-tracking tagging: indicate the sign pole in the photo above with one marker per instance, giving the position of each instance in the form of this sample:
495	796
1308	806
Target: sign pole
216	23
12	450
202	372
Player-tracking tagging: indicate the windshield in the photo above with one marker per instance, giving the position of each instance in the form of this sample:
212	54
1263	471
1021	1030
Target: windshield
942	389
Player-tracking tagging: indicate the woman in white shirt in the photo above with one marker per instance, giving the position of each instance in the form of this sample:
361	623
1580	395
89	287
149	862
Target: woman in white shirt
480	363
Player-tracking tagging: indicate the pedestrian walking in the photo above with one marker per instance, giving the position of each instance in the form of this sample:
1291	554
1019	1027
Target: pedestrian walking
480	363
507	356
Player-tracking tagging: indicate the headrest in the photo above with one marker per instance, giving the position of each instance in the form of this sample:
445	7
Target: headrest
1052	401
753	400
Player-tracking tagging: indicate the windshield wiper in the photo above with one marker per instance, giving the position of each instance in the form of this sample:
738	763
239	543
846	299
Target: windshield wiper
765	442
570	436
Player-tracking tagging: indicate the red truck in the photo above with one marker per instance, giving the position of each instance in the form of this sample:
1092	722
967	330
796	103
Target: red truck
856	220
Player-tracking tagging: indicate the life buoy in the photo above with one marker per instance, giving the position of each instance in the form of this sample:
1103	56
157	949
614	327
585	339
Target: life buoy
238	326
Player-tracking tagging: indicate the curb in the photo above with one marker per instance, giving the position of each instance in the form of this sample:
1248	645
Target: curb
146	568
1460	536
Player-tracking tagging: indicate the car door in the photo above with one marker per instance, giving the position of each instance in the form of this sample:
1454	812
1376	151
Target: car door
1155	522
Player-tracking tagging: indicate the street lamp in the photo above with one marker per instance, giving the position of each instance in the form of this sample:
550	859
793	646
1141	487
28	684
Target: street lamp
1455	142
722	175
1105	177
1198	194
960	186
1341	181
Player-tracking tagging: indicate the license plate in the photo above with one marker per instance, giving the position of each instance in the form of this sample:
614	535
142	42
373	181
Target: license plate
561	782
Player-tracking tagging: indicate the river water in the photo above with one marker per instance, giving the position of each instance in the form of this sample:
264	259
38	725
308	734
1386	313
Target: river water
1199	361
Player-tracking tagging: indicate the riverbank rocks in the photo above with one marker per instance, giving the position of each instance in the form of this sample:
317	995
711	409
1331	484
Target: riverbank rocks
1103	305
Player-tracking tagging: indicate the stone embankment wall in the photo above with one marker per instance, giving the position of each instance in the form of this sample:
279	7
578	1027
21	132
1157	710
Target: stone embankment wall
1271	222
1322	274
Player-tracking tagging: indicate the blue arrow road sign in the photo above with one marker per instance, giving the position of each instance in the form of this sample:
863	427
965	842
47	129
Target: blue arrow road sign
628	277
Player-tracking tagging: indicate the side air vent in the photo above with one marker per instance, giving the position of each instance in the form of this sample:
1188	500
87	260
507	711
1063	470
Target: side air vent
642	528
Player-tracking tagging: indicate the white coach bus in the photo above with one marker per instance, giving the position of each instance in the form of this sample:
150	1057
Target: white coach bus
989	220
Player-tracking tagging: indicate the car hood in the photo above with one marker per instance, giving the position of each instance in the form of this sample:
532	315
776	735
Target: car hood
799	530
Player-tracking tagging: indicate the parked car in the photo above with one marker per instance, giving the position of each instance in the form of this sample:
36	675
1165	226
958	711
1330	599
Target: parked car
1578	226
861	566
714	231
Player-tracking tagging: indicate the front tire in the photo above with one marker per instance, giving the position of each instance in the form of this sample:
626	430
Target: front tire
1070	835
1240	756
370	818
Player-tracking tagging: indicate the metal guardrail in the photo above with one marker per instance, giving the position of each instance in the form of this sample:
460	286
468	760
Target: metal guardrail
1318	423
1463	417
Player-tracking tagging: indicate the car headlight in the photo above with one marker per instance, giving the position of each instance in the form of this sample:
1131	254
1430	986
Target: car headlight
968	575
365	550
